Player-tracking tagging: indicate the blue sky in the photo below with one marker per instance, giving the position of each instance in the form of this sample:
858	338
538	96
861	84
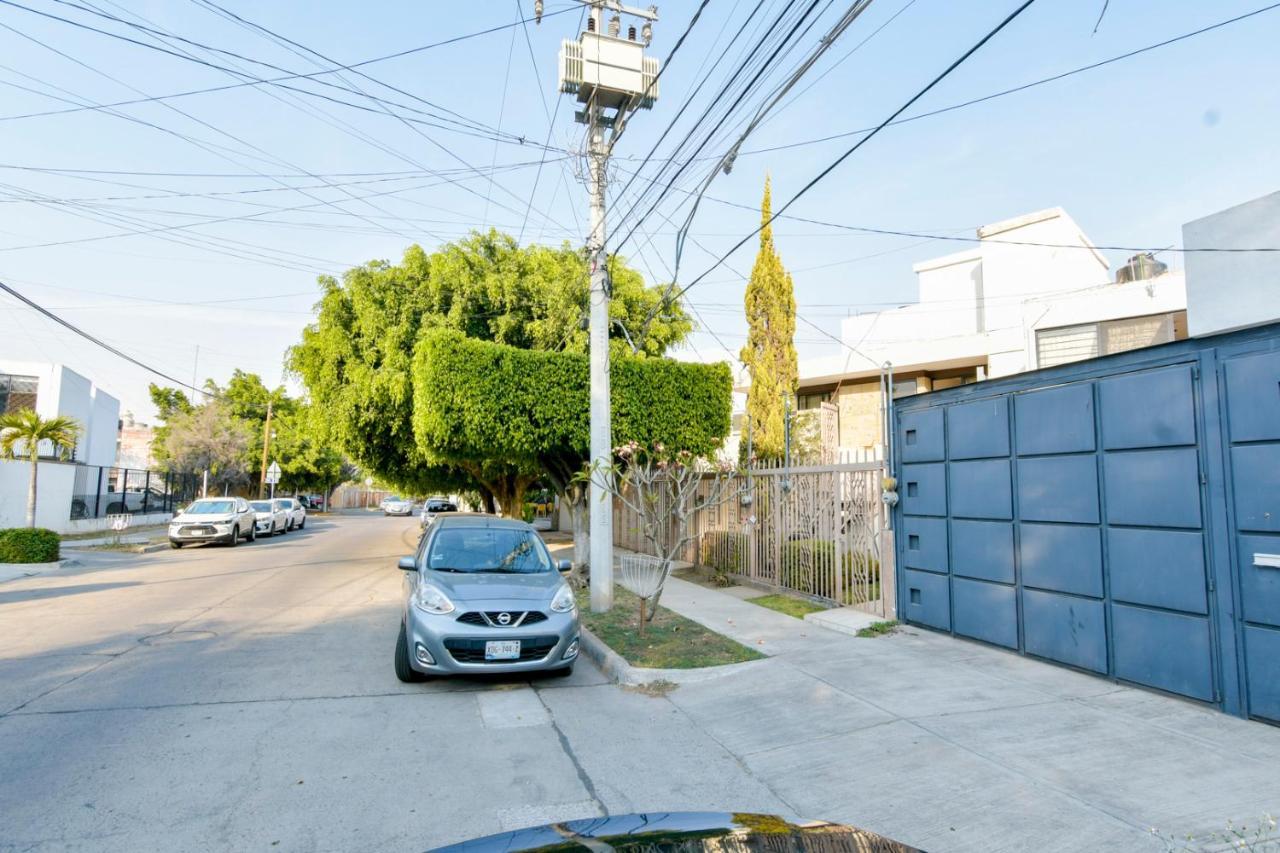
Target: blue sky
1131	150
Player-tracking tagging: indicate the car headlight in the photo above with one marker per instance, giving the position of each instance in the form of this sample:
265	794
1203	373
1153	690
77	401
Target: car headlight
431	600
563	602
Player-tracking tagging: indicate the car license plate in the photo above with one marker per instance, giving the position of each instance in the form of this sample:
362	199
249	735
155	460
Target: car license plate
502	650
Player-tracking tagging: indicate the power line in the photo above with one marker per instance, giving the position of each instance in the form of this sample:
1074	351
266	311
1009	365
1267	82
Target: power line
1023	87
831	167
251	80
95	340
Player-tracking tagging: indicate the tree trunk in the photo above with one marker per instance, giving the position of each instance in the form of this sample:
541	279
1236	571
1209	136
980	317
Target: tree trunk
31	490
581	528
486	498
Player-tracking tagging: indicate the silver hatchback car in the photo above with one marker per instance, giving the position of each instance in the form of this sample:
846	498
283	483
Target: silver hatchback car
482	594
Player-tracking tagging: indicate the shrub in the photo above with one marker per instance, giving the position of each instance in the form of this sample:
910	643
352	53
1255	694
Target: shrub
808	566
28	545
723	551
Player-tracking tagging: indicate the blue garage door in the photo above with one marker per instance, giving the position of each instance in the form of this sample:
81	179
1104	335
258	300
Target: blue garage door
1067	523
1252	391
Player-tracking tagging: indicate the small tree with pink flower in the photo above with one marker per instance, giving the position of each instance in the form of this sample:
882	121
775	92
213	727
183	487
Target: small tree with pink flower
664	489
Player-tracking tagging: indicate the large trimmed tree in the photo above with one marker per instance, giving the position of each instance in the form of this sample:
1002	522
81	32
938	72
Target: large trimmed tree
770	352
477	401
355	360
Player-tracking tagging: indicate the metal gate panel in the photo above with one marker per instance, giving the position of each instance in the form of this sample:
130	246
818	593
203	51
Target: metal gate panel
1057	420
1158	568
1058	488
1262	647
1061	558
985	611
1256	471
983	550
1152	408
980	489
1153	488
924	489
926	544
922	437
978	430
1171	651
1065	628
927	599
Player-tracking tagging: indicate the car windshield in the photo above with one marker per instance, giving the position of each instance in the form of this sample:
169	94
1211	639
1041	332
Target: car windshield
261	506
210	507
393	498
441	507
504	550
282	505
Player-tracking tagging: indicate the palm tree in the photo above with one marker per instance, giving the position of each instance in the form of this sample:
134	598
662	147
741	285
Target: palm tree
24	427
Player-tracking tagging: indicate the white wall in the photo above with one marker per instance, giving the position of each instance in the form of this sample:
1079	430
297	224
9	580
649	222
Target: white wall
54	486
1231	290
104	427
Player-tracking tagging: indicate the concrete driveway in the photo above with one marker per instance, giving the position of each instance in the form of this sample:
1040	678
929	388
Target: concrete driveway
218	699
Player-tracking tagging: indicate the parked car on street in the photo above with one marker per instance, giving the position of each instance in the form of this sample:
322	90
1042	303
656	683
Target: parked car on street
482	594
397	506
224	520
271	518
296	511
434	507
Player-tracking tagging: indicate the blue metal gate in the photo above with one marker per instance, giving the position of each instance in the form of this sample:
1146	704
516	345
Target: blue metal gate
1120	516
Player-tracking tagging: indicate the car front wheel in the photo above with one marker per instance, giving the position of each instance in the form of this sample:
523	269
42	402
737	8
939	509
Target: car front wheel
404	671
235	537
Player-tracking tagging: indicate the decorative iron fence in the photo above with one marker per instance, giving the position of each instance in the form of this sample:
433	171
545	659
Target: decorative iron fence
812	529
101	491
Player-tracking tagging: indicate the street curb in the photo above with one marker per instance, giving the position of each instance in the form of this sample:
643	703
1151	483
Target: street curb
616	668
16	571
151	549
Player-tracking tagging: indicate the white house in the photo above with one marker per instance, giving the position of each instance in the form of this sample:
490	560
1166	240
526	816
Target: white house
1033	292
54	390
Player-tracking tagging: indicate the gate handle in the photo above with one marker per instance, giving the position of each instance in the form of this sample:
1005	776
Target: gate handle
1269	561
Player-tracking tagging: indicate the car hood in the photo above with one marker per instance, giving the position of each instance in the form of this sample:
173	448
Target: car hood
264	514
685	831
203	518
491	587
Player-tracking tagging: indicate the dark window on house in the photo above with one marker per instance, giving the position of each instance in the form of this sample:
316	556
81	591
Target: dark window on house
804	402
17	392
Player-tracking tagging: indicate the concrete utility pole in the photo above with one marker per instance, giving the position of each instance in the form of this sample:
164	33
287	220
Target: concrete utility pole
611	77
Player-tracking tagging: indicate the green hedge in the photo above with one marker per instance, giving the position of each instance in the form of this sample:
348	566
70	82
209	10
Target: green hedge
808	566
28	545
475	399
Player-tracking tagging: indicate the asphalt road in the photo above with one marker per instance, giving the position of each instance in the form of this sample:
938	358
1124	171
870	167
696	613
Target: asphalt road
244	699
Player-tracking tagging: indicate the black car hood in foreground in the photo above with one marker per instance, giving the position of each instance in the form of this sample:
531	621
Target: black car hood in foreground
686	832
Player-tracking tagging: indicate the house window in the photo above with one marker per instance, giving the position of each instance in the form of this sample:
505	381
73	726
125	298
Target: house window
17	392
804	402
1091	340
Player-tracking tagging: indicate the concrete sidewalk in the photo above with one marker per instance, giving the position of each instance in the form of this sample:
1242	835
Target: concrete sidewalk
951	745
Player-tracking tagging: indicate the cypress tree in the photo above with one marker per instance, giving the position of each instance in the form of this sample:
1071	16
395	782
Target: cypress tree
770	352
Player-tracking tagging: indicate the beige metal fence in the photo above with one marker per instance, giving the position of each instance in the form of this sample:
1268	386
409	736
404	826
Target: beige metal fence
812	529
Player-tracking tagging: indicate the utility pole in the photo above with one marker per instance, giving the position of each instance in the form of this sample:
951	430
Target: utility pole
611	77
266	447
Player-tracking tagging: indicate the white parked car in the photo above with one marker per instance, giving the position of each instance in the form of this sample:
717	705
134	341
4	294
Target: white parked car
272	518
397	506
225	520
296	511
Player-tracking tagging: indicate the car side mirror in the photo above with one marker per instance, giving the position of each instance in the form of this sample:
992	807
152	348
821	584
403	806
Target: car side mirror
564	566
408	564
